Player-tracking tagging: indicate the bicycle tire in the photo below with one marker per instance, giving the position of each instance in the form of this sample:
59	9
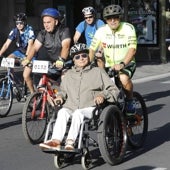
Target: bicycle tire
112	136
137	131
6	97
33	126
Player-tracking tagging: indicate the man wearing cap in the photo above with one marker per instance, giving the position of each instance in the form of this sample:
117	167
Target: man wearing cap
55	38
88	26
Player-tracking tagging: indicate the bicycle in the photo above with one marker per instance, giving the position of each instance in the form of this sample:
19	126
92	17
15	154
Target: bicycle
39	106
137	125
10	85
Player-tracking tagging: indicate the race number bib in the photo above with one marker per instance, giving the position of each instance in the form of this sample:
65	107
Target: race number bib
40	66
8	62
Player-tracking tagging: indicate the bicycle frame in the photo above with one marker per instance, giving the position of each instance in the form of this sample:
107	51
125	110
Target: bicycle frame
45	88
11	77
10	82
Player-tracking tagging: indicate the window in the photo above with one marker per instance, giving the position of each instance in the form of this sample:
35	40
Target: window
144	16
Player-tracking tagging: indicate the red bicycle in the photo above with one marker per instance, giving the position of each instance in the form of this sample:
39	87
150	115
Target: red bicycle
39	106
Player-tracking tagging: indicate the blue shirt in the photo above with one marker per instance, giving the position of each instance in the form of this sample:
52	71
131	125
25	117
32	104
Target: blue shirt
23	38
89	30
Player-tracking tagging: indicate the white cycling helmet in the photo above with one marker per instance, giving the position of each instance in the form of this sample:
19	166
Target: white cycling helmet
88	11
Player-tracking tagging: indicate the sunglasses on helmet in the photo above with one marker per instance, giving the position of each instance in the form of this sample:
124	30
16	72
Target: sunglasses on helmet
19	22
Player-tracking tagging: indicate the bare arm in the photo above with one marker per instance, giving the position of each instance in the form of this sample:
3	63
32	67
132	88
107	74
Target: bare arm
91	54
5	46
30	44
65	48
31	52
76	36
129	56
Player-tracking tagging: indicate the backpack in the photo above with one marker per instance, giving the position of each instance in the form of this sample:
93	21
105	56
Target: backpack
18	41
82	38
85	25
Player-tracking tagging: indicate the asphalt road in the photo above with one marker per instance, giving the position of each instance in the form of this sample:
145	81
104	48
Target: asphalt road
18	154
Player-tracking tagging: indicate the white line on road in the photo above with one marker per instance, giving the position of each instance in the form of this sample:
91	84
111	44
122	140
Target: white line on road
149	78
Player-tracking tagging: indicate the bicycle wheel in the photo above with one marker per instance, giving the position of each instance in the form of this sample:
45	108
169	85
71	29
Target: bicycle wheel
112	135
137	127
6	97
33	125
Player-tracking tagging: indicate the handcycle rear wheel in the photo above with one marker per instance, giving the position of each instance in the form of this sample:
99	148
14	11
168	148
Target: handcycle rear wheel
137	127
6	97
112	136
33	126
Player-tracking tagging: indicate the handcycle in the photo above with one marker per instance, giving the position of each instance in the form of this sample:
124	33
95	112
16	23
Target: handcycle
10	85
110	129
39	106
114	131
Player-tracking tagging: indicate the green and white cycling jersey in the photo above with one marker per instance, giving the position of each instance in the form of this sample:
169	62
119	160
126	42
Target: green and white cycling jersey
115	44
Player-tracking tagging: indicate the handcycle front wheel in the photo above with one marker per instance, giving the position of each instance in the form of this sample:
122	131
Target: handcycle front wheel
112	136
33	125
137	127
6	97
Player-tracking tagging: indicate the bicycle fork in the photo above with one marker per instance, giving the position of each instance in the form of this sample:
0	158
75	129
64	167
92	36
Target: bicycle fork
43	106
36	104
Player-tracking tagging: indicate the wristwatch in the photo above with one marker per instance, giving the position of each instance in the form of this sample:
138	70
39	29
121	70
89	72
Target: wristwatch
123	63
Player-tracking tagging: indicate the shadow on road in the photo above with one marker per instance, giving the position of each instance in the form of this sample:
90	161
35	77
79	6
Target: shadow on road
153	97
11	123
155	138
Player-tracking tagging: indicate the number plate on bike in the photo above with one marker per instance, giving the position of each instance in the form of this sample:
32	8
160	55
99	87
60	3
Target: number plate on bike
8	62
40	66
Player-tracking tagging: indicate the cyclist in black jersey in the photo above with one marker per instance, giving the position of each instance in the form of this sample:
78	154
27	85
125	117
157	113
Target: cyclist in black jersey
56	39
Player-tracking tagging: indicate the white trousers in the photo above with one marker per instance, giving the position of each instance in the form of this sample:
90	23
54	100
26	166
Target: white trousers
77	119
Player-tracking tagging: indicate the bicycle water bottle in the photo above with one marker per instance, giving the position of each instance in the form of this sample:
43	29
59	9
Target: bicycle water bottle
17	93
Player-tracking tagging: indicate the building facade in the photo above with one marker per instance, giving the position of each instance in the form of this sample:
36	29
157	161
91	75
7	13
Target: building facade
145	15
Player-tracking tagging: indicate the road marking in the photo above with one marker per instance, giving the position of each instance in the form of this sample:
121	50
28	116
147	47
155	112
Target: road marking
166	82
159	169
149	78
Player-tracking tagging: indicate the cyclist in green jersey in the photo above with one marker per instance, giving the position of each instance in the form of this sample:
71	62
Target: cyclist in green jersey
118	43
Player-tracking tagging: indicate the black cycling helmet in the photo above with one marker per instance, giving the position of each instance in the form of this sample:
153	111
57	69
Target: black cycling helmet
20	17
112	10
78	48
52	12
88	11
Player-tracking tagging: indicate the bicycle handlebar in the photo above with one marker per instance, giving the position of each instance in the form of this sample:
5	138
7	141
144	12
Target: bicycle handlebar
54	70
112	72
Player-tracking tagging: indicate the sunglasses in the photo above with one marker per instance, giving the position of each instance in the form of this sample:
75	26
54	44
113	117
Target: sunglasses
77	57
19	22
113	17
88	17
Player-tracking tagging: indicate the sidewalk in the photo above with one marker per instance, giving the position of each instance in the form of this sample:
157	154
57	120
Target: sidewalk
145	71
149	71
